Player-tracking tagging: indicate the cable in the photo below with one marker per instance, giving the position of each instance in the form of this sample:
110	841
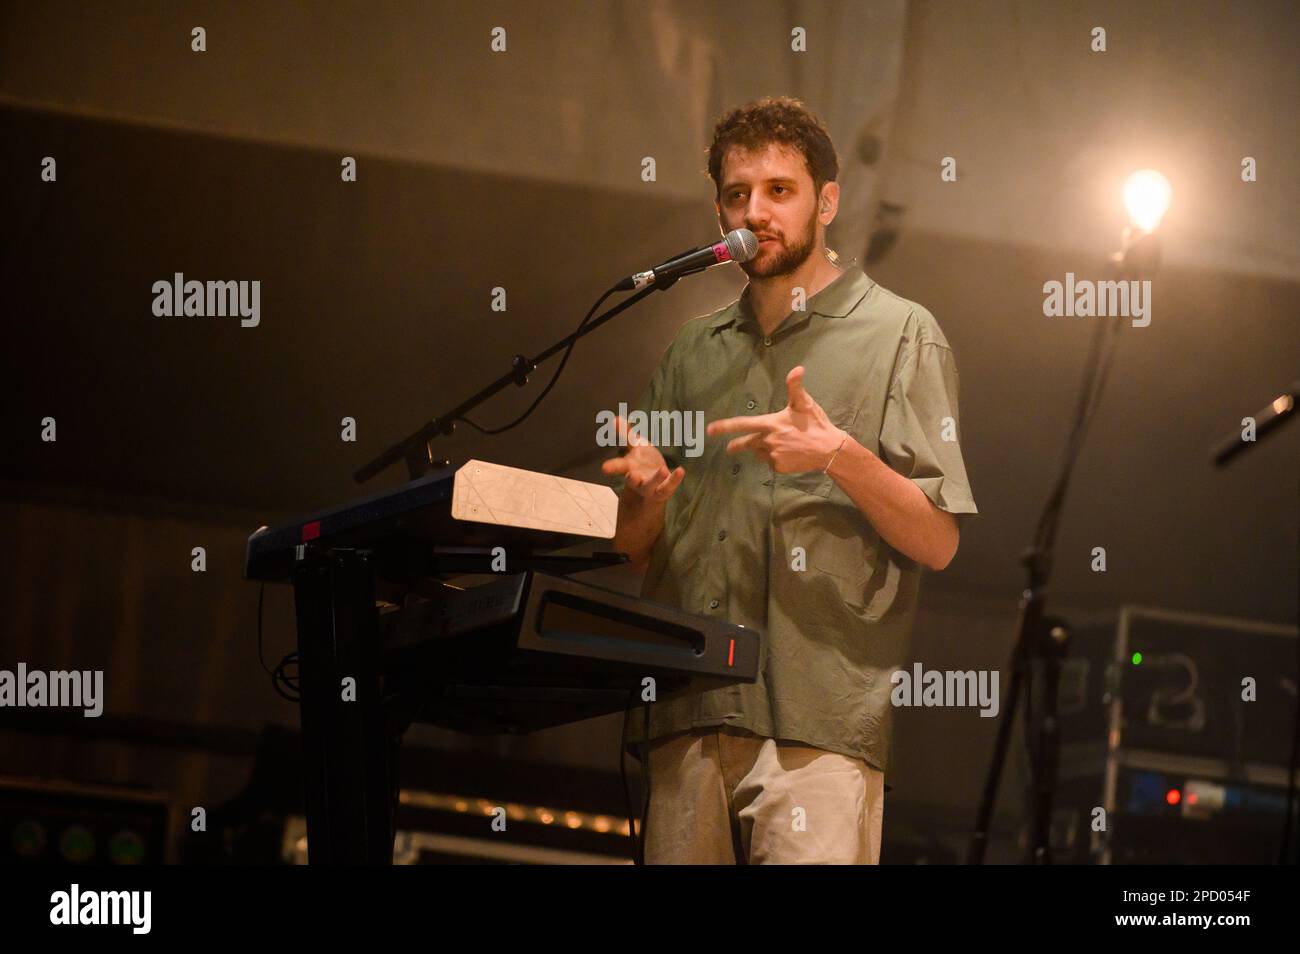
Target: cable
645	772
285	684
261	594
1285	854
1096	373
555	377
622	771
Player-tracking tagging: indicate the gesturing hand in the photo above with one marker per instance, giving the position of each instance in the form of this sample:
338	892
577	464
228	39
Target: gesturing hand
645	468
797	439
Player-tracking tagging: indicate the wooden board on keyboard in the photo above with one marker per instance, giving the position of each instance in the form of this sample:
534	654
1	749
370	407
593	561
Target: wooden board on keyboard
507	496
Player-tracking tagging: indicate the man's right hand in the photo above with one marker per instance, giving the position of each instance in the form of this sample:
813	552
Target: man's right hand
644	467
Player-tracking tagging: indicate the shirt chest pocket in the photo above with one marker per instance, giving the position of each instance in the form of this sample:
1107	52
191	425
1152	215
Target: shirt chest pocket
814	482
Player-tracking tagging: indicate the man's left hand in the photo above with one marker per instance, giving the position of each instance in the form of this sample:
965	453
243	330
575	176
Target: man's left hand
792	441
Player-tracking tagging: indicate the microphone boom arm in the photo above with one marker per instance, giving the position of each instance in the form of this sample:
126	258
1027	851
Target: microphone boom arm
416	448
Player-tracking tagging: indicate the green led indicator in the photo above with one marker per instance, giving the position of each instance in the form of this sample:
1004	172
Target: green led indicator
1137	659
77	844
126	848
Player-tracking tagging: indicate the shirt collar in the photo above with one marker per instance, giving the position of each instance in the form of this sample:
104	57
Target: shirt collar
836	300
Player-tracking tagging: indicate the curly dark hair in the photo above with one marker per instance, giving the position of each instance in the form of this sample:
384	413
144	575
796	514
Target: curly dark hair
775	119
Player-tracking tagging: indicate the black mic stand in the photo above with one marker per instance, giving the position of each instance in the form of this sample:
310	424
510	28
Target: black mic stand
1267	420
1042	642
417	449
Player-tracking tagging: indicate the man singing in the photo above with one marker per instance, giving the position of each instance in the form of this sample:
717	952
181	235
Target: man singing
836	477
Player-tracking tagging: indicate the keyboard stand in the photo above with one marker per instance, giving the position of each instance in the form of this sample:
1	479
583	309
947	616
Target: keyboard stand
351	740
349	748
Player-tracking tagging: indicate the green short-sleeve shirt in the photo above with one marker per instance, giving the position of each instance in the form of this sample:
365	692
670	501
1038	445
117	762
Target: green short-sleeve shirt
790	555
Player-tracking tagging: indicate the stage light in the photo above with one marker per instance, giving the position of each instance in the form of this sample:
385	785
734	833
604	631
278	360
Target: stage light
28	839
1146	196
126	848
77	844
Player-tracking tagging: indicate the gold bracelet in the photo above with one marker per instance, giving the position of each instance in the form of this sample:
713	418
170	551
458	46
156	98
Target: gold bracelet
827	468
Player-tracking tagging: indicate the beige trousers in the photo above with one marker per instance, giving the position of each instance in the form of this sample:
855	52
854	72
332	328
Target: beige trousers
726	796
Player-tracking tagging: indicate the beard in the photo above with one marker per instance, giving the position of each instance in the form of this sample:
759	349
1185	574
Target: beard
788	257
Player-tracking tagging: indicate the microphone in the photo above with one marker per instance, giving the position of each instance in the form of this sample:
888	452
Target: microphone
1278	411
740	245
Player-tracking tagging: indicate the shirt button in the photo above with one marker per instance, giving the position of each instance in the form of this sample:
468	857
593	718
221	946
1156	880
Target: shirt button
722	534
767	341
750	405
713	604
735	468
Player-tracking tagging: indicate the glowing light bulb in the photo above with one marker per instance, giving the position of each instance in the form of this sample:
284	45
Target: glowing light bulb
1146	196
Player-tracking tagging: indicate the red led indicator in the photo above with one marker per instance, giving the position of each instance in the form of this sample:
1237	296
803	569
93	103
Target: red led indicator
1173	796
731	653
310	531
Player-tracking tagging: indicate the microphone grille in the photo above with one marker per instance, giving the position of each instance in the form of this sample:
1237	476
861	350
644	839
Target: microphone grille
742	244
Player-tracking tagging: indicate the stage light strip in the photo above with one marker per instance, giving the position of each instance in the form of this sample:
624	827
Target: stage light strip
408	845
530	814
